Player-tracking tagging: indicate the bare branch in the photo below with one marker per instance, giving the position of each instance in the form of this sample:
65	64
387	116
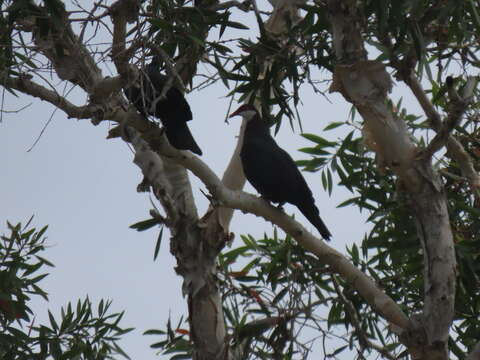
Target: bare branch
457	107
153	170
27	86
364	340
366	85
171	71
455	149
233	178
106	87
254	205
122	11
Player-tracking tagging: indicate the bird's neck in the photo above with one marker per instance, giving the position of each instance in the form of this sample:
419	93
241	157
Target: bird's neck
256	125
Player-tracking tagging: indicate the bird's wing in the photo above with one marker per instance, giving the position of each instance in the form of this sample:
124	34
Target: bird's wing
175	106
297	189
272	171
181	105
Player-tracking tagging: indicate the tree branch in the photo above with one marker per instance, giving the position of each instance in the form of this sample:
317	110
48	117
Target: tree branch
68	56
257	206
24	84
366	84
121	12
455	149
457	107
233	177
364	340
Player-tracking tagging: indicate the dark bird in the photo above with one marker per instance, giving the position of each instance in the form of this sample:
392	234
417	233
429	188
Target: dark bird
173	109
272	171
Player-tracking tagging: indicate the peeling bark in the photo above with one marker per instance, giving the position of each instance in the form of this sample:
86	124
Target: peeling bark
365	84
257	206
195	245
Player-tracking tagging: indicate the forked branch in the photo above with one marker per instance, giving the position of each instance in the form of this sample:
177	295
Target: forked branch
254	205
457	107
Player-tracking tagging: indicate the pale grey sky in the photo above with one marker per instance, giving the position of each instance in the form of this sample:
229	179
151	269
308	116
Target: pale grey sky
84	187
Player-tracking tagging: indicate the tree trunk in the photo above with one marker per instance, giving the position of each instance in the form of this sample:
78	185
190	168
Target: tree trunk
365	84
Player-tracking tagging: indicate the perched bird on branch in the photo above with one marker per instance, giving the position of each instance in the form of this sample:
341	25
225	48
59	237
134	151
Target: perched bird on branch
172	108
272	172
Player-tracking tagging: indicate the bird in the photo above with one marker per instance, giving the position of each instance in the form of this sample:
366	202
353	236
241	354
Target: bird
272	171
172	110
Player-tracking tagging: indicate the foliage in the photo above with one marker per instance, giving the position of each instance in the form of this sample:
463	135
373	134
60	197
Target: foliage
390	253
272	292
271	288
80	332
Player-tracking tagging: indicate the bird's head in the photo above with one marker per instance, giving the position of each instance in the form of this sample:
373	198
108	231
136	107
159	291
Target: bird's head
246	111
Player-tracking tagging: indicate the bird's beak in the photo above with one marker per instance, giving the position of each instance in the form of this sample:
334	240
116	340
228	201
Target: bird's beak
233	114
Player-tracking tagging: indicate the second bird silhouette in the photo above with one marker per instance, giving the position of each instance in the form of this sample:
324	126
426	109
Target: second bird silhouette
272	171
173	110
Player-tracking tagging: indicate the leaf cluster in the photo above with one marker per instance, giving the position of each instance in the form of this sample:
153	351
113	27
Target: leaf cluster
390	252
79	332
274	294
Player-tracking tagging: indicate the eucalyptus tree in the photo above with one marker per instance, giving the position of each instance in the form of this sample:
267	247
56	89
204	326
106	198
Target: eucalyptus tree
410	289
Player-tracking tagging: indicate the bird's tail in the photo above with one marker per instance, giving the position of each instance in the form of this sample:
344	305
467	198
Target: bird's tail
181	138
310	211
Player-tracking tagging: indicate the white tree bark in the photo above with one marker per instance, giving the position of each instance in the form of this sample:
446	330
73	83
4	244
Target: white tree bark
365	84
248	203
362	82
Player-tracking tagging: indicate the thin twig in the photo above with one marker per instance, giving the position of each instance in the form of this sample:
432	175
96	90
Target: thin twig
27	86
364	340
458	105
240	200
455	148
170	68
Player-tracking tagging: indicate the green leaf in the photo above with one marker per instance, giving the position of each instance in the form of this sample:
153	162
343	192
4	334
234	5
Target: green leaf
280	295
41	232
32	268
145	224
53	323
26	59
333	125
236	25
157	245
154	332
100	308
45	261
223	74
120	351
161	24
314	151
319	140
181	357
324	180
38	278
222	49
337	351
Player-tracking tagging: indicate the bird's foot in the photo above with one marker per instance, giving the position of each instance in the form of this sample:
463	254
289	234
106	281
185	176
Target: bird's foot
280	206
